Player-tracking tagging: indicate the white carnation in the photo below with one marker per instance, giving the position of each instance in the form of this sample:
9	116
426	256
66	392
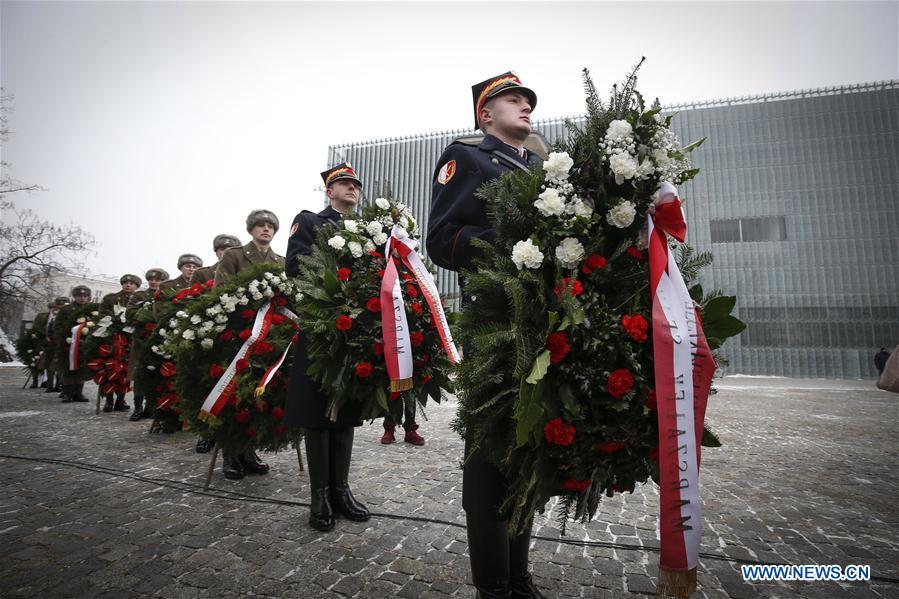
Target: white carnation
221	318
206	343
351	226
661	156
369	245
95	313
181	314
525	253
337	242
195	319
68	339
373	228
355	249
269	292
581	208
188	334
623	165
622	215
569	252
619	131
245	300
645	169
557	166
382	203
269	276
550	203
380	238
150	367
173	323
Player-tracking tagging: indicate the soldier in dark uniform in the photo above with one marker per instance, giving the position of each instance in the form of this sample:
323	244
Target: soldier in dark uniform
502	110
262	226
155	278
329	443
124	298
39	331
219	245
47	361
187	264
72	385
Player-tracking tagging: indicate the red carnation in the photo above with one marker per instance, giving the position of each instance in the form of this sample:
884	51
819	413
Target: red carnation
373	305
576	287
576	485
636	326
196	289
149	327
167	369
279	300
344	274
651	401
262	347
593	262
277	413
279	429
416	307
105	350
344	323
375	254
426	379
226	336
422	360
210	283
559	433
215	371
411	291
416	338
245	334
241	365
248	314
182	294
378	348
620	382
381	274
278	319
635	253
242	416
610	446
363	370
249	432
558	347
407	276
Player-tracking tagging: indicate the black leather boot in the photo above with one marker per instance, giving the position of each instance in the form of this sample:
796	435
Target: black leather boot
148	410
33	381
321	516
231	466
488	553
252	463
120	405
67	394
137	414
520	580
78	393
341	454
204	445
108	406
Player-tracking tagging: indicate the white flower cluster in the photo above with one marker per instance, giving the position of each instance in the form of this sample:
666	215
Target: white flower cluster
205	326
558	198
360	236
630	161
622	215
526	254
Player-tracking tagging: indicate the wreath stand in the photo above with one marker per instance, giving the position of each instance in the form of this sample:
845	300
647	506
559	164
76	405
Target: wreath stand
215	455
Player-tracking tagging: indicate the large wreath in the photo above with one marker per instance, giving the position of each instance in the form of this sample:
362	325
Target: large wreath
106	351
350	290
29	346
232	347
82	316
559	390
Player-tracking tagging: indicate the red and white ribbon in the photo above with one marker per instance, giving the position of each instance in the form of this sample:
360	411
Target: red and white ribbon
683	376
75	346
226	384
394	325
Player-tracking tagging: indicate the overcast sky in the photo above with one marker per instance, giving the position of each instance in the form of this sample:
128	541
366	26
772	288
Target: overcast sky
157	125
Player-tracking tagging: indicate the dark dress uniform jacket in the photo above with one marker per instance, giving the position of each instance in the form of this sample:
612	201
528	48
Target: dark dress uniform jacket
306	405
457	217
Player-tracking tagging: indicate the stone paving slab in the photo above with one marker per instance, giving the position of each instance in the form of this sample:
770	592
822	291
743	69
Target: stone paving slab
94	506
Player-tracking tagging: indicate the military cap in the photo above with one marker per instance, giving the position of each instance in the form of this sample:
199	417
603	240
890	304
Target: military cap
133	278
490	88
225	241
189	259
80	290
157	273
261	216
60	301
344	170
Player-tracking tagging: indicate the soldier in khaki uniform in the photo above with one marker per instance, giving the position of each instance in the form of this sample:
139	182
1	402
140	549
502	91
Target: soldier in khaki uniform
124	298
262	225
220	244
72	385
39	331
47	361
188	265
155	278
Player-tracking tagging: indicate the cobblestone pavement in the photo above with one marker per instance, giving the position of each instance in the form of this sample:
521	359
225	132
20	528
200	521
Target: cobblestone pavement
93	506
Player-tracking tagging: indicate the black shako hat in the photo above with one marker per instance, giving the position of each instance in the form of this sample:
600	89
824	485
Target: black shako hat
490	88
344	170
